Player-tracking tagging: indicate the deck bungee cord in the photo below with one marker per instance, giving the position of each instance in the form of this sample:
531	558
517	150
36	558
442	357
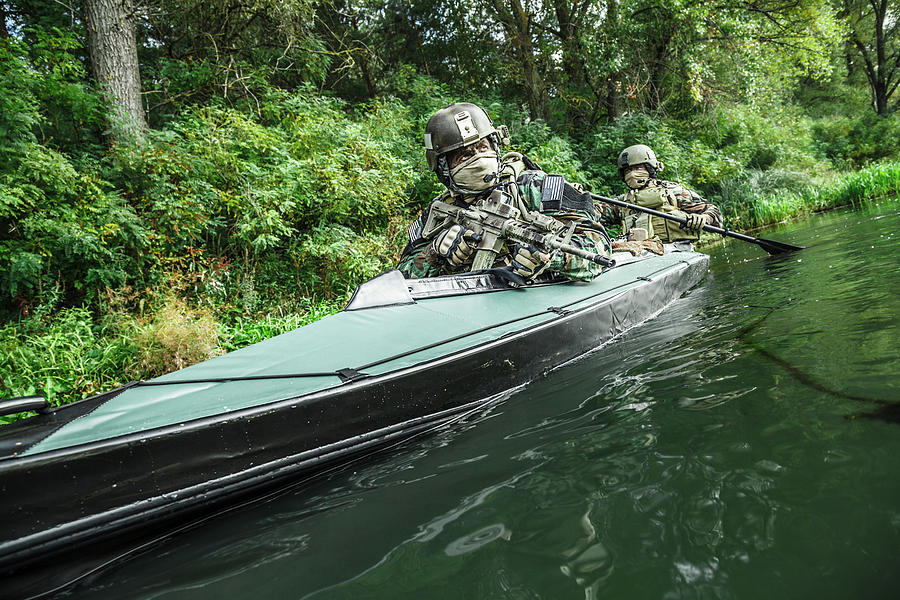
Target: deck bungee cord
349	375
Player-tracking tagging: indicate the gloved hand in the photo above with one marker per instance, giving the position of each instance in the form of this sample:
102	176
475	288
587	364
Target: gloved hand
456	244
528	261
695	222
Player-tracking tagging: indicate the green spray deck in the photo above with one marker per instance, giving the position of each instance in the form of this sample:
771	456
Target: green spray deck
176	448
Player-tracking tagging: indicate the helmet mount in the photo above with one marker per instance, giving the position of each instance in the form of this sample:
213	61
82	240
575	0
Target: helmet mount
637	155
453	127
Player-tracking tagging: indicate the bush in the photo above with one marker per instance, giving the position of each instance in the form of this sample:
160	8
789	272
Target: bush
332	260
852	142
777	138
43	97
176	336
65	232
61	355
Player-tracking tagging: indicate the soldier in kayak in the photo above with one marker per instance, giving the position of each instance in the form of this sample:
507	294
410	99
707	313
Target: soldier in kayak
638	168
462	147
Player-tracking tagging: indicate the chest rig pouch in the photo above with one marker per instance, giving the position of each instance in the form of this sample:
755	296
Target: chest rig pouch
661	197
652	197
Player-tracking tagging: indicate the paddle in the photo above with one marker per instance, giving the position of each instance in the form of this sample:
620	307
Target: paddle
770	246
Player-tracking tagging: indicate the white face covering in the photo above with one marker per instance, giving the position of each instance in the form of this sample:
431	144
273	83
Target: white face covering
637	178
471	173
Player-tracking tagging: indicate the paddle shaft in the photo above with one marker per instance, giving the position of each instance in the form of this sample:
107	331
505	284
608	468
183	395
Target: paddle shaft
770	246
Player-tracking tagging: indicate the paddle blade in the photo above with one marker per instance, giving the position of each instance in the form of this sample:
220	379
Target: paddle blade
773	247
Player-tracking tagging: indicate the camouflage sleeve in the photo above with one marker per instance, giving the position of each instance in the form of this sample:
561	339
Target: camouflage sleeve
609	215
588	235
690	202
418	261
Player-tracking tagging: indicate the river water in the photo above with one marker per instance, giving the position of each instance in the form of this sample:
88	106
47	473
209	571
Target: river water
743	444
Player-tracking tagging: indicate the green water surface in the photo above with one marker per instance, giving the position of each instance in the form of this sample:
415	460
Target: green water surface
743	444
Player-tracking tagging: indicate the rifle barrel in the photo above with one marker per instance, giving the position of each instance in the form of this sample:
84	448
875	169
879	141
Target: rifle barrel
595	258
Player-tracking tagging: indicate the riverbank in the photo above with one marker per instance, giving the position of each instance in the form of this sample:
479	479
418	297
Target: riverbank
69	354
871	183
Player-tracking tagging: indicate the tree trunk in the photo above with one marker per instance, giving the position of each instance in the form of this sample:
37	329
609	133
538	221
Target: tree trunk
517	24
879	84
4	33
613	83
873	46
613	98
575	84
113	49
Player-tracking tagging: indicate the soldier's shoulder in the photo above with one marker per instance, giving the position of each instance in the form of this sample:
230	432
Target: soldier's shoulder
531	177
517	163
674	187
666	184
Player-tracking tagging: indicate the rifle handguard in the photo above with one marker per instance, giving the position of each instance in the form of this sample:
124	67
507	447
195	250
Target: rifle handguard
496	221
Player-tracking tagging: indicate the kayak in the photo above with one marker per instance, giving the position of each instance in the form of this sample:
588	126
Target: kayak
84	481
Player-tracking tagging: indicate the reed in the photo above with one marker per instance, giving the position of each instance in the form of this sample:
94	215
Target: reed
757	208
860	187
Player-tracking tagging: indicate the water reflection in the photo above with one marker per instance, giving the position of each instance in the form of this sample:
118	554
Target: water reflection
728	449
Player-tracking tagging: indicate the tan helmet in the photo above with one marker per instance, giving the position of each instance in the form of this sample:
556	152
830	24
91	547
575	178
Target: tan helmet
637	155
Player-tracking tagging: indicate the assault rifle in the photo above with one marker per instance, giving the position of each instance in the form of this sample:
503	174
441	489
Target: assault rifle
495	220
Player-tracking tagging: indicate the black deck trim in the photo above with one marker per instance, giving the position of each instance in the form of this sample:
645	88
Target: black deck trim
157	476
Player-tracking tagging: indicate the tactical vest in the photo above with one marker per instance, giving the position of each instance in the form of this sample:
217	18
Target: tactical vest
660	196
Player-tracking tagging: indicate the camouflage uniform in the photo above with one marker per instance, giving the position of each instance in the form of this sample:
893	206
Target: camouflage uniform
664	196
539	191
638	167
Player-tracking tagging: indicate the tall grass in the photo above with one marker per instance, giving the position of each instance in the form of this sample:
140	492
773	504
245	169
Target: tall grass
763	198
65	356
243	331
871	183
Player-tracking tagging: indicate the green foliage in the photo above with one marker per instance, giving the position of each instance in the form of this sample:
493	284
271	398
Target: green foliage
61	355
243	331
331	260
43	95
762	139
19	107
851	142
65	231
221	179
227	53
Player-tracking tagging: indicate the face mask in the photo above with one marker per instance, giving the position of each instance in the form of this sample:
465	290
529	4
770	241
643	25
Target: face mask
637	178
470	174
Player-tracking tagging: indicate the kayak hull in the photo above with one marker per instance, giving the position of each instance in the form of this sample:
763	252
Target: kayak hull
92	500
